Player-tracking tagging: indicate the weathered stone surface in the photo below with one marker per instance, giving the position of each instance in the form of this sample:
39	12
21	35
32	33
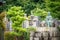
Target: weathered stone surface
43	33
36	38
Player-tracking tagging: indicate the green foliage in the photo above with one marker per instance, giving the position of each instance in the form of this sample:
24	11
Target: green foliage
17	21
20	31
39	12
27	36
15	11
53	6
9	36
2	24
31	29
27	33
16	14
28	5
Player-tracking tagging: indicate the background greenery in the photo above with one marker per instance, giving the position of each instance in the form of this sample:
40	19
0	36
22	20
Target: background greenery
28	5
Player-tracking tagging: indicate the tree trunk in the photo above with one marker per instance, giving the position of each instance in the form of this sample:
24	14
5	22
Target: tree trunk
1	34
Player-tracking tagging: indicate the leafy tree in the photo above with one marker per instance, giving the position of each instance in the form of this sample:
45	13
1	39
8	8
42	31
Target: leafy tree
16	14
39	12
27	5
2	25
53	6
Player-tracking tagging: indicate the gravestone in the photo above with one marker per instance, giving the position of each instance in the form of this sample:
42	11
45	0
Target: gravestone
25	24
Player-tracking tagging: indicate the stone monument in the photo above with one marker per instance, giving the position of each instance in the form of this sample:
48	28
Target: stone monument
49	20
26	22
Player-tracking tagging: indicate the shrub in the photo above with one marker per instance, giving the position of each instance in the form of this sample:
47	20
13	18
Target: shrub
9	36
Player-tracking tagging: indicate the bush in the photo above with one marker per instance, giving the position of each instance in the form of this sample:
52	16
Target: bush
9	36
39	12
2	22
27	34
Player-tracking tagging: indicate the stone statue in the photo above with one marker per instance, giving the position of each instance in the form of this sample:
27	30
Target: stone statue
49	20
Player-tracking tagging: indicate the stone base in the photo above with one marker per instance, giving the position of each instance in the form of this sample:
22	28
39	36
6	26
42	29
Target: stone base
50	29
45	33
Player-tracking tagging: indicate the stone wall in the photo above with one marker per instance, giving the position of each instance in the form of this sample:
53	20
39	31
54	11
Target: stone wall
45	35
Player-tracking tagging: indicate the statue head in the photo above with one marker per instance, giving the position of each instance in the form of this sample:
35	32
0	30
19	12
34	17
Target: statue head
48	13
